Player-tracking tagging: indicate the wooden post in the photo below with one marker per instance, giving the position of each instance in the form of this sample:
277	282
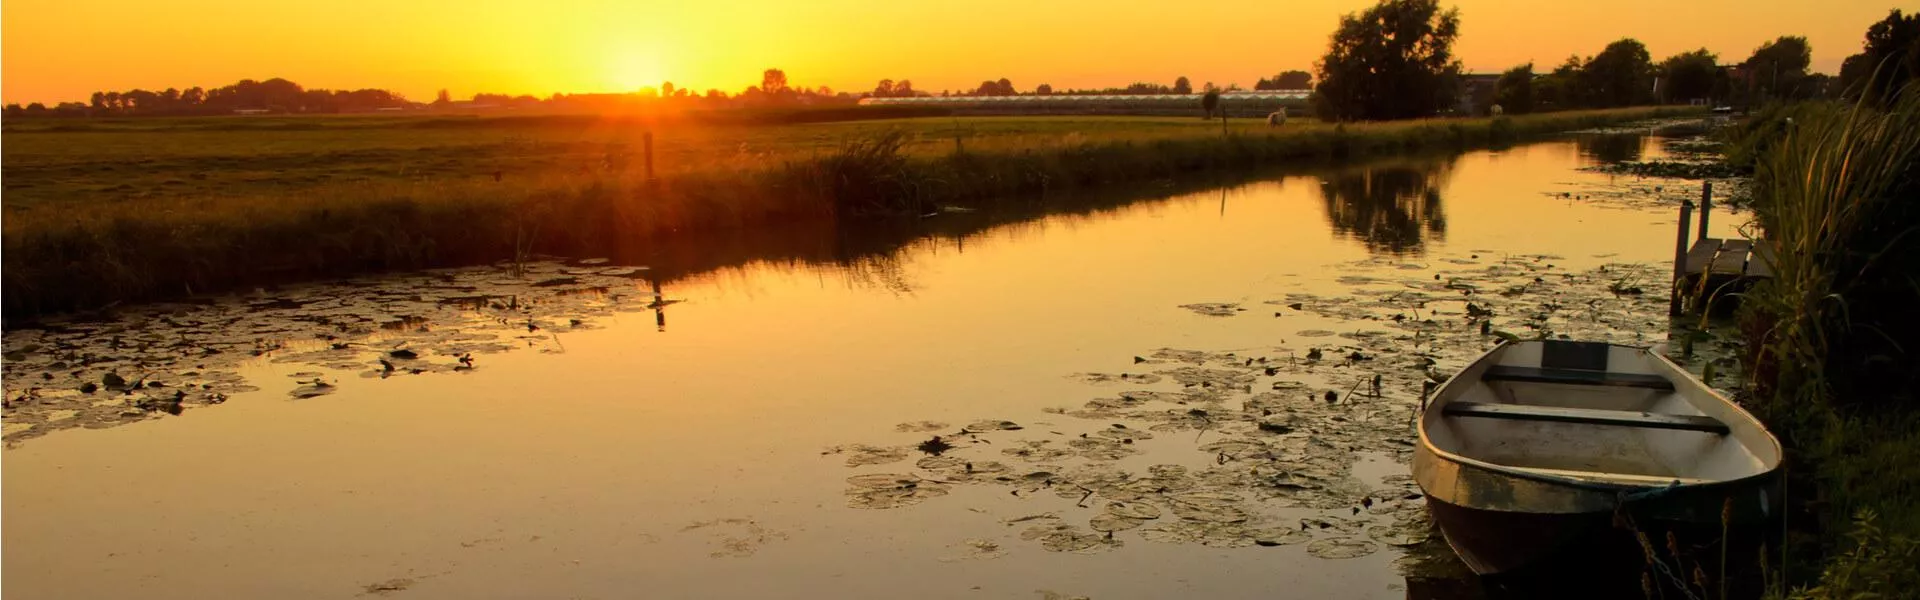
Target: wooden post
647	139
1680	258
1706	206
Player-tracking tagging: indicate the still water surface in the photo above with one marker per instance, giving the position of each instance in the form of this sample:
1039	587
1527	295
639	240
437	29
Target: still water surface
687	453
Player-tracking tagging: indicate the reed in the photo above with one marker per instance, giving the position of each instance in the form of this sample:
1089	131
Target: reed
1831	338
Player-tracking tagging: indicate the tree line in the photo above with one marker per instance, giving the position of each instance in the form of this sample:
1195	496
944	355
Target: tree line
1395	61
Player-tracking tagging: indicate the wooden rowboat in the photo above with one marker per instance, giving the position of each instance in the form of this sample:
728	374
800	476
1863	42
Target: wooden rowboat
1538	447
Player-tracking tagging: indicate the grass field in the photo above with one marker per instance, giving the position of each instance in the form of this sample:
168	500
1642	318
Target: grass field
107	211
169	159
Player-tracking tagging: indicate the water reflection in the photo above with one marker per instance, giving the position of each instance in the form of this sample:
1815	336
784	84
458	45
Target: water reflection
1393	209
1611	147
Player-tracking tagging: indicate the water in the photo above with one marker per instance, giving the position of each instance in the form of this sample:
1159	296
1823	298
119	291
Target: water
701	449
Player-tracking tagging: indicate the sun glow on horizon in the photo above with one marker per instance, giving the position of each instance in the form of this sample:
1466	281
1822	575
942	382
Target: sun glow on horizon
57	50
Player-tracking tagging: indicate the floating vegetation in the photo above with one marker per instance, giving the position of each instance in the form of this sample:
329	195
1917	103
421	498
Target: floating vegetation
115	362
920	427
862	454
1214	309
885	490
1257	447
1341	547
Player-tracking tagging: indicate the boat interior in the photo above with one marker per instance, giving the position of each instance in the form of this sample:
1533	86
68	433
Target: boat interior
1597	413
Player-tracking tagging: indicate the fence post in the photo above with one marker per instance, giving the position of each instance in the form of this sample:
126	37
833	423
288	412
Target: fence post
1706	206
1680	259
647	141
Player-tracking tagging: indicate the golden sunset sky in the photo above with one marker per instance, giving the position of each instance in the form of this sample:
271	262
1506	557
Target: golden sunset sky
65	49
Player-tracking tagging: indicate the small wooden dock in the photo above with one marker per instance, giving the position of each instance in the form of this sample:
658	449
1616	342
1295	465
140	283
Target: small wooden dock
1705	267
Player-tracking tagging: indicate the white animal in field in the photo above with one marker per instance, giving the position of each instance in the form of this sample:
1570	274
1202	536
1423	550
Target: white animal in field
1497	111
1277	118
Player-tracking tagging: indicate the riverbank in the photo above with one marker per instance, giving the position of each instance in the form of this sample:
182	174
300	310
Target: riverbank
1829	340
76	256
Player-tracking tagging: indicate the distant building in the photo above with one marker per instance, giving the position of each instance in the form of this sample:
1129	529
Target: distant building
1477	93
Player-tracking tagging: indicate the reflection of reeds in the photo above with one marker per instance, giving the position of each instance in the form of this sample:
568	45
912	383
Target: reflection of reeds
94	254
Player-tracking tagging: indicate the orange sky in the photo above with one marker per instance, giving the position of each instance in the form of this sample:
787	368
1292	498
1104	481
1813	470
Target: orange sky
64	49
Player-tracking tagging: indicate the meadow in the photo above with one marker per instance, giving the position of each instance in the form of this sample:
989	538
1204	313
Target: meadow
99	212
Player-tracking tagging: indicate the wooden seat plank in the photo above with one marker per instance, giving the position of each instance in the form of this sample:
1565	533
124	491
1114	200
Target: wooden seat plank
1585	416
1575	377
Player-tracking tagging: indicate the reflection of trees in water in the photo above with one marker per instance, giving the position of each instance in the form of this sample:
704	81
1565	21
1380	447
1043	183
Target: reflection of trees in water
1392	209
1611	147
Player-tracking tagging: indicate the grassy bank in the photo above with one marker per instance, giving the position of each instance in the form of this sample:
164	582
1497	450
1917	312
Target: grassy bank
1832	340
63	253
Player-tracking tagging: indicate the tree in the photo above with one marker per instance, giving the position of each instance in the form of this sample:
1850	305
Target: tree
193	95
1777	67
443	98
904	88
1688	75
37	109
1210	101
773	82
1182	86
1514	91
1891	57
1392	61
15	110
1621	75
98	101
1043	90
1286	80
667	89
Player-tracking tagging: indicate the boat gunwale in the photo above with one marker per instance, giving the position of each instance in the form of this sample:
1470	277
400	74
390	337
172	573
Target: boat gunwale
1426	444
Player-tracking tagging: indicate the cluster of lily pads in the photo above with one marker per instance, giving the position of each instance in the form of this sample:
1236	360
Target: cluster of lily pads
1257	446
127	364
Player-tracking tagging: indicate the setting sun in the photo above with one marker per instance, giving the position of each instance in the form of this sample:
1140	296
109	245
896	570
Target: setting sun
629	69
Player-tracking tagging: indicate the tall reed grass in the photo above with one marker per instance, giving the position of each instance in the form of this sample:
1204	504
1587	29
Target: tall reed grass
1834	338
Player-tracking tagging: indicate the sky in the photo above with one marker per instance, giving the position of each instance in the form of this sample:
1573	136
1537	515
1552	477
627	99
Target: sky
54	50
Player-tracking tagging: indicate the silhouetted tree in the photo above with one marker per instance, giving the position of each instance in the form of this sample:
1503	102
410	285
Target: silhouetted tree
1778	67
193	95
1621	75
36	109
1043	90
1210	101
1182	86
15	110
1688	75
1286	80
1514	91
1392	61
443	98
1890	59
98	101
667	89
773	82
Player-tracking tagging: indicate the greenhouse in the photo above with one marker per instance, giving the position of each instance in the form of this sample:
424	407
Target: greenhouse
1238	104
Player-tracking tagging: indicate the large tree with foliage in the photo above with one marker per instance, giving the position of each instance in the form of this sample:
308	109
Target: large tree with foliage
1392	61
1890	59
1182	86
1778	68
1620	75
1688	75
1514	91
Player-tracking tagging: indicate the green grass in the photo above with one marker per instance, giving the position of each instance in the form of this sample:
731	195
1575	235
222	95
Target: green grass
136	213
1832	340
